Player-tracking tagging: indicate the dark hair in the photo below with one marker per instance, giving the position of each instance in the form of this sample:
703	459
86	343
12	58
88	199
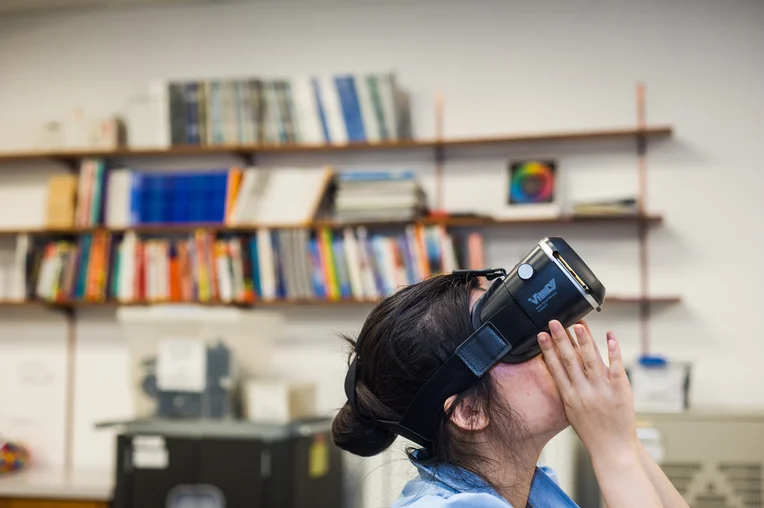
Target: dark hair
403	341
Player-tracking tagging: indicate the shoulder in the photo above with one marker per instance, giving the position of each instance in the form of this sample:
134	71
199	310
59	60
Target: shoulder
462	500
546	491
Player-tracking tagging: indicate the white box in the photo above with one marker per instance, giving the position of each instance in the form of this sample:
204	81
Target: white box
274	401
660	387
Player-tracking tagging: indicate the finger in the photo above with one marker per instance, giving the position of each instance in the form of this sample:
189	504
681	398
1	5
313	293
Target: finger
568	355
617	370
553	363
573	341
602	367
591	360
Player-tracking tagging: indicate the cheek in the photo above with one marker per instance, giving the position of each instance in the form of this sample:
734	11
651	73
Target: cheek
544	379
531	392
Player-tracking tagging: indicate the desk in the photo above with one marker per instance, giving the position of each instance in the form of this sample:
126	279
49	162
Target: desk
39	488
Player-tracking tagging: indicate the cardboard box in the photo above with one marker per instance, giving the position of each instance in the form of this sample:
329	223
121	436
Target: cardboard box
275	401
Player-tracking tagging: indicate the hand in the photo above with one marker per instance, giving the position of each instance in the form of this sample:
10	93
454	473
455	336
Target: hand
597	398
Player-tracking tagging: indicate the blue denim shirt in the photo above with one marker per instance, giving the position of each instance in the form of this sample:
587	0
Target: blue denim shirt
452	487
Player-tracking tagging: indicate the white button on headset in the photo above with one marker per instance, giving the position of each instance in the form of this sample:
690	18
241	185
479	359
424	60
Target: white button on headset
525	271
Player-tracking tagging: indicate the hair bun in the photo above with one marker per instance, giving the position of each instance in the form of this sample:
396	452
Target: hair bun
353	435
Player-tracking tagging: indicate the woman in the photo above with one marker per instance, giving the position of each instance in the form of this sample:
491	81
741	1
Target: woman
490	436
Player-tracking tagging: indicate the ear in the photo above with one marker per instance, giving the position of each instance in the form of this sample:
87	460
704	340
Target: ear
466	415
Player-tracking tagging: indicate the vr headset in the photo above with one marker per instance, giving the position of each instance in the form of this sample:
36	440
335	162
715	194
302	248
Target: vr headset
551	282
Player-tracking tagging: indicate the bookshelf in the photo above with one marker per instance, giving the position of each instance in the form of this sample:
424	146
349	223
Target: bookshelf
71	156
641	220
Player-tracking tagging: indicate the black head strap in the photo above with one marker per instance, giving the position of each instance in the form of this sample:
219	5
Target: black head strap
472	359
350	391
488	273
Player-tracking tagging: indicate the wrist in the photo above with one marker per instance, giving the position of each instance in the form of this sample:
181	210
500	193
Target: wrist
616	458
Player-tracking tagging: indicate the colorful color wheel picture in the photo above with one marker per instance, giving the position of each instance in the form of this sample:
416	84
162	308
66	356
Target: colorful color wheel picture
531	182
13	457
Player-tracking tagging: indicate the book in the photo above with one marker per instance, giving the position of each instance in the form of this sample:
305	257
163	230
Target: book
61	201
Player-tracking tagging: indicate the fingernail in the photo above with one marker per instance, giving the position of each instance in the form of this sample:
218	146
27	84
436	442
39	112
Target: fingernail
611	345
555	326
541	338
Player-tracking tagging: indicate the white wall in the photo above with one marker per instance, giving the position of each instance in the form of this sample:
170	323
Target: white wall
504	67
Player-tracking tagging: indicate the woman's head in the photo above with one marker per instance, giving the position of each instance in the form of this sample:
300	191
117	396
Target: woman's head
404	340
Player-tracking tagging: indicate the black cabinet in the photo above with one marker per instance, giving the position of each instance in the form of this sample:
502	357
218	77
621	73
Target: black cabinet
163	464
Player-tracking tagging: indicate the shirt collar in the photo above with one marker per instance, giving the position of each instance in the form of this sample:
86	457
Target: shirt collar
544	490
454	477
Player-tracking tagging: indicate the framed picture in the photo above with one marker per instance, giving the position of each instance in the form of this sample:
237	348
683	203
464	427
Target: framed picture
531	190
531	182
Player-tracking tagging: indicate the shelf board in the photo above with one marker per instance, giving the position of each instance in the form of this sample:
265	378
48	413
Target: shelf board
179	151
654	300
448	222
616	299
25	303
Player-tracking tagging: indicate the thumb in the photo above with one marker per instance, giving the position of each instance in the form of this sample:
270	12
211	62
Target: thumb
617	371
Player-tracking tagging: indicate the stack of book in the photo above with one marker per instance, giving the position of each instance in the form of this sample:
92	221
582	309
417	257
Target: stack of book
379	195
299	110
271	265
625	206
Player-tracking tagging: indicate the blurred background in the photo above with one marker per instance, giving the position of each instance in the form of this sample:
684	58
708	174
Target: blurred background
198	197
